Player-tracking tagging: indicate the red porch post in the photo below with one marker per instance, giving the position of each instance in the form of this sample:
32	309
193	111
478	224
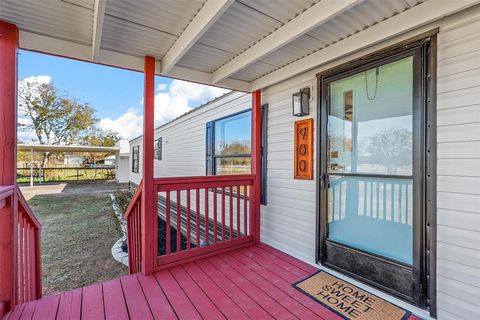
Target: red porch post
149	217
8	160
256	160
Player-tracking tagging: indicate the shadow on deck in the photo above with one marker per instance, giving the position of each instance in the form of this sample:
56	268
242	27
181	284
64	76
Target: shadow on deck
250	283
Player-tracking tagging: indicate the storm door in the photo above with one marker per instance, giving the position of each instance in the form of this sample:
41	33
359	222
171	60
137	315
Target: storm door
371	173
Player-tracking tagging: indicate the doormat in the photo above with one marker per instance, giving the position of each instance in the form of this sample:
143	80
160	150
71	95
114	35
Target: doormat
347	300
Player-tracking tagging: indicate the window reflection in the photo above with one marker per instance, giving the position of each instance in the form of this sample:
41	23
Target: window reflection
370	121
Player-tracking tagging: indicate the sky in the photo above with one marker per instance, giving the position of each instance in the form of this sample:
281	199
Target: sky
115	94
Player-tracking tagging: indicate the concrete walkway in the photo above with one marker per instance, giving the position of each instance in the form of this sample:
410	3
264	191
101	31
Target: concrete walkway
73	187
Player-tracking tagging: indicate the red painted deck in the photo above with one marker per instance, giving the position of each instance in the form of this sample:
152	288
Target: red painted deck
250	283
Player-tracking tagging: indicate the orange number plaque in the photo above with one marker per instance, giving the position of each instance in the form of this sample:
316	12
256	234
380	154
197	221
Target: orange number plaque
304	149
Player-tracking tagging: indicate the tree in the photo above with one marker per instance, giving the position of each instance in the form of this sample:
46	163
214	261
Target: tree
100	138
55	119
391	148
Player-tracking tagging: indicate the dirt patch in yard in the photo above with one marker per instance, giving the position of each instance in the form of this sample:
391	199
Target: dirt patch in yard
78	232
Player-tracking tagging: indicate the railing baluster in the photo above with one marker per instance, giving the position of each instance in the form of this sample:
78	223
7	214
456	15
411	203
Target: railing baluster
197	225
32	265
223	213
206	217
27	252
179	222
406	204
231	213
245	208
392	202
25	256
188	219
28	260
334	206
215	236
167	223
21	262
139	236
400	213
384	201
238	211
135	242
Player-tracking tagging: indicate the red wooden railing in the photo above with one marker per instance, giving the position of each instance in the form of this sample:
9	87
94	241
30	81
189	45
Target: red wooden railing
203	215
29	279
20	258
134	235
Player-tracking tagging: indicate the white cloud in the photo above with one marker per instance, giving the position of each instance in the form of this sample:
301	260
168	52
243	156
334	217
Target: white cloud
42	79
171	101
128	125
162	87
179	97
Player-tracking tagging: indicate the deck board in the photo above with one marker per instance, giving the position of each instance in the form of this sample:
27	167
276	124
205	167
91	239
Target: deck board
249	283
114	301
158	302
70	307
199	299
176	296
264	300
137	304
248	305
92	302
46	309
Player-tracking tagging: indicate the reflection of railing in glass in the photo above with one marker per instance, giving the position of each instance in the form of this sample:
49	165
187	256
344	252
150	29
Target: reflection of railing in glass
376	198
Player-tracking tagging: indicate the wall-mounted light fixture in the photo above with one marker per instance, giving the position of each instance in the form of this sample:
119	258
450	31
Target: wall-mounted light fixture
300	101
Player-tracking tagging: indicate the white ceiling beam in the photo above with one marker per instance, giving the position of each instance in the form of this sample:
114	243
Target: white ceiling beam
57	47
202	21
399	24
311	18
98	17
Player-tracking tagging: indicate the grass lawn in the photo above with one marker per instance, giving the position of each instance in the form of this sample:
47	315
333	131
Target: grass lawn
78	232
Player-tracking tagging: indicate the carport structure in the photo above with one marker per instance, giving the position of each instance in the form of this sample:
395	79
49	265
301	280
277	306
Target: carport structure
243	45
32	148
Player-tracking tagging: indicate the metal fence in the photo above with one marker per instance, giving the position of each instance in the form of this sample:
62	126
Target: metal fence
65	174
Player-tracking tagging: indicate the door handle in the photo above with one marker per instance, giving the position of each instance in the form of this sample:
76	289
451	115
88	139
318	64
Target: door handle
324	181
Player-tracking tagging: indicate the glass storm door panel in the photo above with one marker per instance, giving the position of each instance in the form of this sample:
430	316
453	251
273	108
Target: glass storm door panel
372	171
369	161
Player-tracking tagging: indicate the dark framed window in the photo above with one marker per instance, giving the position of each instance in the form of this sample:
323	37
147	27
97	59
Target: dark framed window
135	158
228	145
158	149
376	173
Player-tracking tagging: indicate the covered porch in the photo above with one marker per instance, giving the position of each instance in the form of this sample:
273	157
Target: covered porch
223	268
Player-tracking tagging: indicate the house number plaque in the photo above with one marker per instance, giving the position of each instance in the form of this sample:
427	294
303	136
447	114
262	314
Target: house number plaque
304	149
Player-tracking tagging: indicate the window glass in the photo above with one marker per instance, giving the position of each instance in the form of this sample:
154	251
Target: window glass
135	158
233	135
370	121
233	165
370	126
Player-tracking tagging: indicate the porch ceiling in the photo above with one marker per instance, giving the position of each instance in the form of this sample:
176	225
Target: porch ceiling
238	44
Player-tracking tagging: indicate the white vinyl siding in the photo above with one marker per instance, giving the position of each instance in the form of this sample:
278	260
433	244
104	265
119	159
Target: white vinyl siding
183	139
458	185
